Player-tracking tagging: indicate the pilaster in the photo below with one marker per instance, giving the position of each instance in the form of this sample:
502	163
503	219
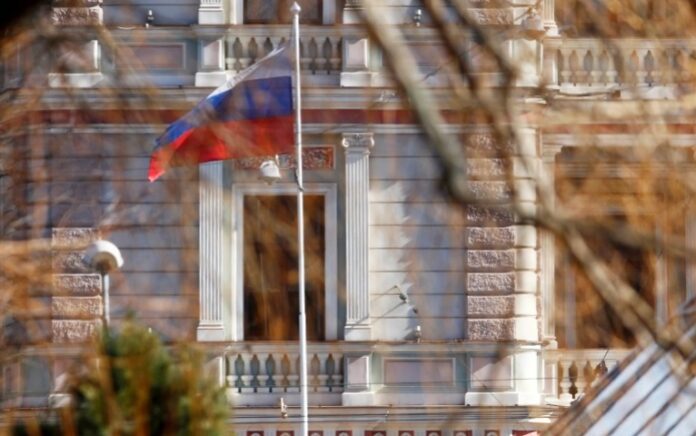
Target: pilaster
211	12
548	256
356	62
503	270
357	183
211	61
76	297
549	17
83	65
211	325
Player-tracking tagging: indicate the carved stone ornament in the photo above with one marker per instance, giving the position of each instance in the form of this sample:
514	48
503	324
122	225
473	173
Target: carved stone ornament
354	4
313	158
364	140
76	16
480	140
492	17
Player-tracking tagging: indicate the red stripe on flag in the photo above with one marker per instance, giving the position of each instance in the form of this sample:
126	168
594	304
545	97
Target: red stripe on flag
226	140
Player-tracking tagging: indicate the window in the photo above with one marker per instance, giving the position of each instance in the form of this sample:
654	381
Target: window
266	284
617	18
278	11
619	188
271	288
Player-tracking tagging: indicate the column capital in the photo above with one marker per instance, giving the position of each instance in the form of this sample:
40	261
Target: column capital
549	152
363	140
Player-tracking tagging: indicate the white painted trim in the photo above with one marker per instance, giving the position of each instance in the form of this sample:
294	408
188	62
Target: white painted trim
213	281
357	206
329	190
236	11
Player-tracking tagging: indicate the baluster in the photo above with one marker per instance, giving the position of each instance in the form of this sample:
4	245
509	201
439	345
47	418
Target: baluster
564	383
634	68
573	377
589	75
244	58
612	69
271	43
267	46
294	377
689	65
338	375
236	53
271	373
590	377
337	54
326	52
232	376
562	61
247	376
330	371
601	369
262	376
254	367
304	58
253	50
285	372
580	381
314	370
638	59
574	67
603	66
649	65
665	68
313	53
678	65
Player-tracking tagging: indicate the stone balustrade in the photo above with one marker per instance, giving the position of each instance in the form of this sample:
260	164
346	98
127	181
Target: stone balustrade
260	373
570	373
587	65
320	47
274	368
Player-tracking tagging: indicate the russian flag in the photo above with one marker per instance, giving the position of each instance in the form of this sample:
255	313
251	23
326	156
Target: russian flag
250	115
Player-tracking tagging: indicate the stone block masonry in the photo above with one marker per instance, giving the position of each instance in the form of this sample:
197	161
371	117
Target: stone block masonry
502	269
502	252
76	303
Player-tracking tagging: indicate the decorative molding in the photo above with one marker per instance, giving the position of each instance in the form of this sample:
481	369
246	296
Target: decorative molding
492	17
211	12
357	176
235	294
353	140
313	158
71	16
158	56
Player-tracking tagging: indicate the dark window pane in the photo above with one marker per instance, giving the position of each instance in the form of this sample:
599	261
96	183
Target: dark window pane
261	11
278	11
271	301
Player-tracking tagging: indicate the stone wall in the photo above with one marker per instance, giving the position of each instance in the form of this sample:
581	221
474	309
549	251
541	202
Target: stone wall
76	304
501	262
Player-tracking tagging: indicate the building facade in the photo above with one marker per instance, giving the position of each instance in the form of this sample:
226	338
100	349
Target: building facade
426	316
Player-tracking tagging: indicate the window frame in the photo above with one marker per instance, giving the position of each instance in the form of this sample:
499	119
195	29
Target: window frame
331	11
277	21
329	191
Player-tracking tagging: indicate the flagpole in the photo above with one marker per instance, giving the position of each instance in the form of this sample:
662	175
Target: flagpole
295	9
